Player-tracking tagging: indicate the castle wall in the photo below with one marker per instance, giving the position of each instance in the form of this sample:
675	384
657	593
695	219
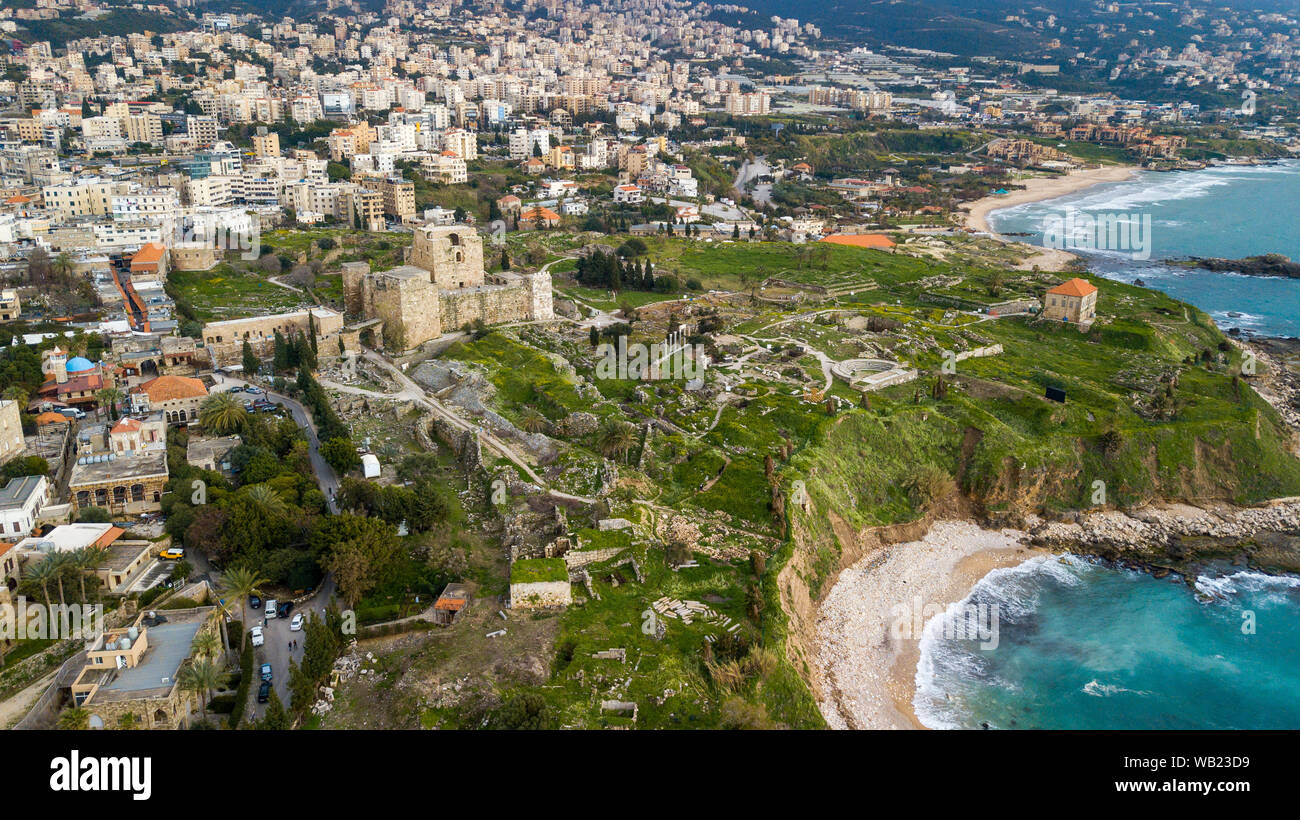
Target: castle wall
493	304
441	288
225	339
409	308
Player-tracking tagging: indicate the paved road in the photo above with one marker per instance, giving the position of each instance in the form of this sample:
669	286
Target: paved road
275	650
751	170
325	476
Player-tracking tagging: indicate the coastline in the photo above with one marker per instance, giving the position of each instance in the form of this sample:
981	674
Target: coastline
1041	188
869	668
870	674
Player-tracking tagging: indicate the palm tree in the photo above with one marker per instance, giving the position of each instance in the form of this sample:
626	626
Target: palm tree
268	499
87	560
201	677
108	398
205	645
221	414
63	264
74	718
616	438
59	562
41	572
533	421
236	585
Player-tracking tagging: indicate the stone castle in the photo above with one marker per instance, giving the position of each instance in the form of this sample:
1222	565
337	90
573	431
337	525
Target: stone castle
441	288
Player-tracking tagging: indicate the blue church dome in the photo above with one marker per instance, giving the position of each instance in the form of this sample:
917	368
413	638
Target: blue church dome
77	364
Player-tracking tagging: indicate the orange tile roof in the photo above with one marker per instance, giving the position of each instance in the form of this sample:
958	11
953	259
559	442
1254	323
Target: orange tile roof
126	426
110	535
860	240
1074	287
539	213
50	417
167	388
150	254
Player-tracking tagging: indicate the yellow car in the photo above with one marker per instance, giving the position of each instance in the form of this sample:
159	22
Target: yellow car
172	554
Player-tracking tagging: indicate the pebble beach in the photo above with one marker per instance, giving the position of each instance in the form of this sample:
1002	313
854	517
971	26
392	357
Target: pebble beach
869	668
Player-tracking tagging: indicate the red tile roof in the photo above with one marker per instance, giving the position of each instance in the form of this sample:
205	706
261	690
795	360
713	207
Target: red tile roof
1075	287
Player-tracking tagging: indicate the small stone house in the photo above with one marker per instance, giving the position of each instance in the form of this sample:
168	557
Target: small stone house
1072	301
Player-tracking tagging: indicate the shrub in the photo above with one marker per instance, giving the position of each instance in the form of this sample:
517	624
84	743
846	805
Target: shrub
245	679
930	485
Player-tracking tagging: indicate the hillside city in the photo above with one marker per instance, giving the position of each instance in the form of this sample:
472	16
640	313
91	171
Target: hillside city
541	364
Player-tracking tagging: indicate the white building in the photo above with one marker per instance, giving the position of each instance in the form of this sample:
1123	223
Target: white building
21	501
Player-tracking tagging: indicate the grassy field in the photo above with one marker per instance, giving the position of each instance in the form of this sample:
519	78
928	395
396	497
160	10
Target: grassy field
226	292
1156	408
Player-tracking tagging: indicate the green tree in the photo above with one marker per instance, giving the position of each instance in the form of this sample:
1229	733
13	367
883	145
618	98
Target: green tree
236	585
615	438
350	564
251	362
341	454
76	718
221	414
524	710
108	398
200	676
276	718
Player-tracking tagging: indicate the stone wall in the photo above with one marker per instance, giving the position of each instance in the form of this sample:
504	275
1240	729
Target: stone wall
409	308
491	303
540	595
225	339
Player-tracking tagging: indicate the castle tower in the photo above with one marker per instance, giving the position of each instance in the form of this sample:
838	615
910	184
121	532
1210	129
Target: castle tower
540	305
453	255
354	275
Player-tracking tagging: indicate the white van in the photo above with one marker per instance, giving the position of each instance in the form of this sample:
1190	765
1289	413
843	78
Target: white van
269	612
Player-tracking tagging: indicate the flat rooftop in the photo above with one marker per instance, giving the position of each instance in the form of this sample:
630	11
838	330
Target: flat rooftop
169	646
121	554
120	468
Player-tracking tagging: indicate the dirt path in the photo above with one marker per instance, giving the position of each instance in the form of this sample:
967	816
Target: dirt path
13	709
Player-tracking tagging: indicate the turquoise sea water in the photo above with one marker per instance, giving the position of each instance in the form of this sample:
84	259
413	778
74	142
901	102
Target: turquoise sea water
1084	645
1228	211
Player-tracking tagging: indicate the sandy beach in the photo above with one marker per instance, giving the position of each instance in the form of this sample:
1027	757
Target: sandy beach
869	672
1040	188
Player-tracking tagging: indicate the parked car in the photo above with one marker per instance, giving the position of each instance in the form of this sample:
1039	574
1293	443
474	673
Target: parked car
236	389
256	634
296	624
255	601
270	610
266	672
284	609
254	390
172	554
264	692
